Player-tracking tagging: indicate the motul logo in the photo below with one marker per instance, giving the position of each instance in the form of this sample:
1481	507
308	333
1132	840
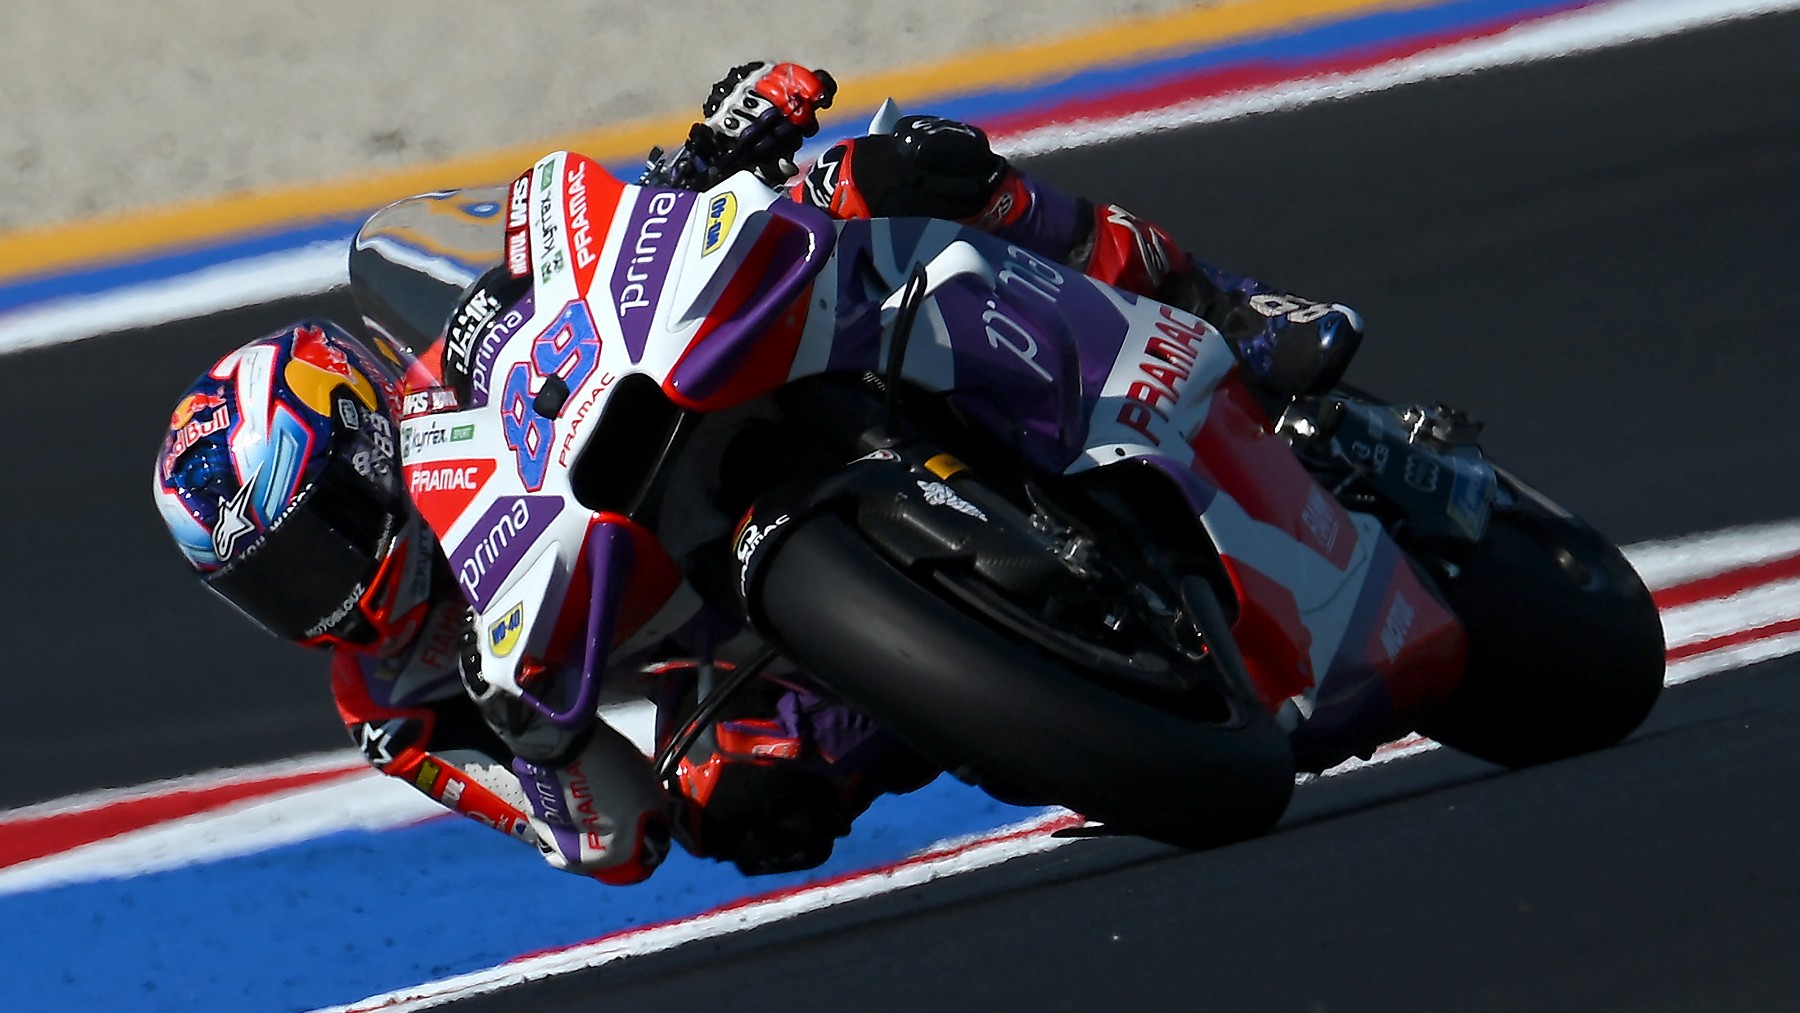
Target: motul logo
519	207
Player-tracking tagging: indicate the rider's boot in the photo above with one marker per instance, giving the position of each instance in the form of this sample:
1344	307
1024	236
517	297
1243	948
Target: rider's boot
1289	346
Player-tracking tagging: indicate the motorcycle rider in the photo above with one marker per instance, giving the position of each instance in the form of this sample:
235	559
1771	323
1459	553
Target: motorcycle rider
280	480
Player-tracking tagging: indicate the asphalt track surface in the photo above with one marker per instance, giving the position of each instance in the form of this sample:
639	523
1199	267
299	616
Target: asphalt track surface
1598	256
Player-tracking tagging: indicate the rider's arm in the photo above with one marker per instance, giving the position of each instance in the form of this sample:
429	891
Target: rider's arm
593	812
439	746
593	800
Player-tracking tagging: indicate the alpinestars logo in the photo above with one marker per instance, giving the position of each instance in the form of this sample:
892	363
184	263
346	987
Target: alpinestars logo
234	520
822	181
377	741
939	494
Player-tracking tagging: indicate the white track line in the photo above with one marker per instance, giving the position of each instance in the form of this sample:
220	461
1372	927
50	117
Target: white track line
359	802
309	270
1749	609
1602	26
337	759
370	801
1693	557
950	858
1724	660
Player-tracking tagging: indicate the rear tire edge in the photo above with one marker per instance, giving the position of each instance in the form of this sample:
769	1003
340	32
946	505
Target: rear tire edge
1564	658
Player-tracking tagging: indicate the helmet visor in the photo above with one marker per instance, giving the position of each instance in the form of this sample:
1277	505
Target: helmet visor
305	577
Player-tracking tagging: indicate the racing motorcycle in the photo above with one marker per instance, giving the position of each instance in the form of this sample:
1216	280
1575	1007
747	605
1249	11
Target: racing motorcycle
1038	527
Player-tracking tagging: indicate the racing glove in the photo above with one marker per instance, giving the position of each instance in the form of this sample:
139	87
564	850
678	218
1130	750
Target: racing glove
757	118
599	814
928	166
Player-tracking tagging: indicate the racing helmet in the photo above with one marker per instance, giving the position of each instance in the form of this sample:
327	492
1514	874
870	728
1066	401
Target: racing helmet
280	481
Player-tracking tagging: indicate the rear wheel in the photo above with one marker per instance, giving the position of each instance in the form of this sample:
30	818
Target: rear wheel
1010	708
1565	644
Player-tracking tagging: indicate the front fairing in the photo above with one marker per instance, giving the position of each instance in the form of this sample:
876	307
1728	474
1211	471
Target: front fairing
631	286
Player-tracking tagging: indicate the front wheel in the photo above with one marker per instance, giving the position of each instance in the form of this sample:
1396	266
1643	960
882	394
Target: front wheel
998	708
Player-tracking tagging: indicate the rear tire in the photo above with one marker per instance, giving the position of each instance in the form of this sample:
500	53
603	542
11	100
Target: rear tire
986	705
1565	644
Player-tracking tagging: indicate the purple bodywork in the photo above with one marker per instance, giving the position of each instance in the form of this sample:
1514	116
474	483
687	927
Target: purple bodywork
803	238
498	542
482	371
651	235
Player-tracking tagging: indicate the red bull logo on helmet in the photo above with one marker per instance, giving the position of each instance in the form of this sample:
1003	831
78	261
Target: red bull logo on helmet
188	428
192	405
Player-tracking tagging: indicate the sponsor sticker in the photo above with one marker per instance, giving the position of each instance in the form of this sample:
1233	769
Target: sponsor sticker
518	227
235	520
418	435
750	538
518	252
1163	371
721	212
427	402
578	417
442	490
1396	627
482	370
581	230
549	254
939	494
497	543
337	615
518	203
643	266
189	429
1422	473
476	312
503	633
1321	520
1470	495
822	180
376	741
427	776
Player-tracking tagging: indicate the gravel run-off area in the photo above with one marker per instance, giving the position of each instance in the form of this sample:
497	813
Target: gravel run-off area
112	106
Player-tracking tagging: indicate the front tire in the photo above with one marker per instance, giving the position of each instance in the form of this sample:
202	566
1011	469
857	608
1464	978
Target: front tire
976	701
